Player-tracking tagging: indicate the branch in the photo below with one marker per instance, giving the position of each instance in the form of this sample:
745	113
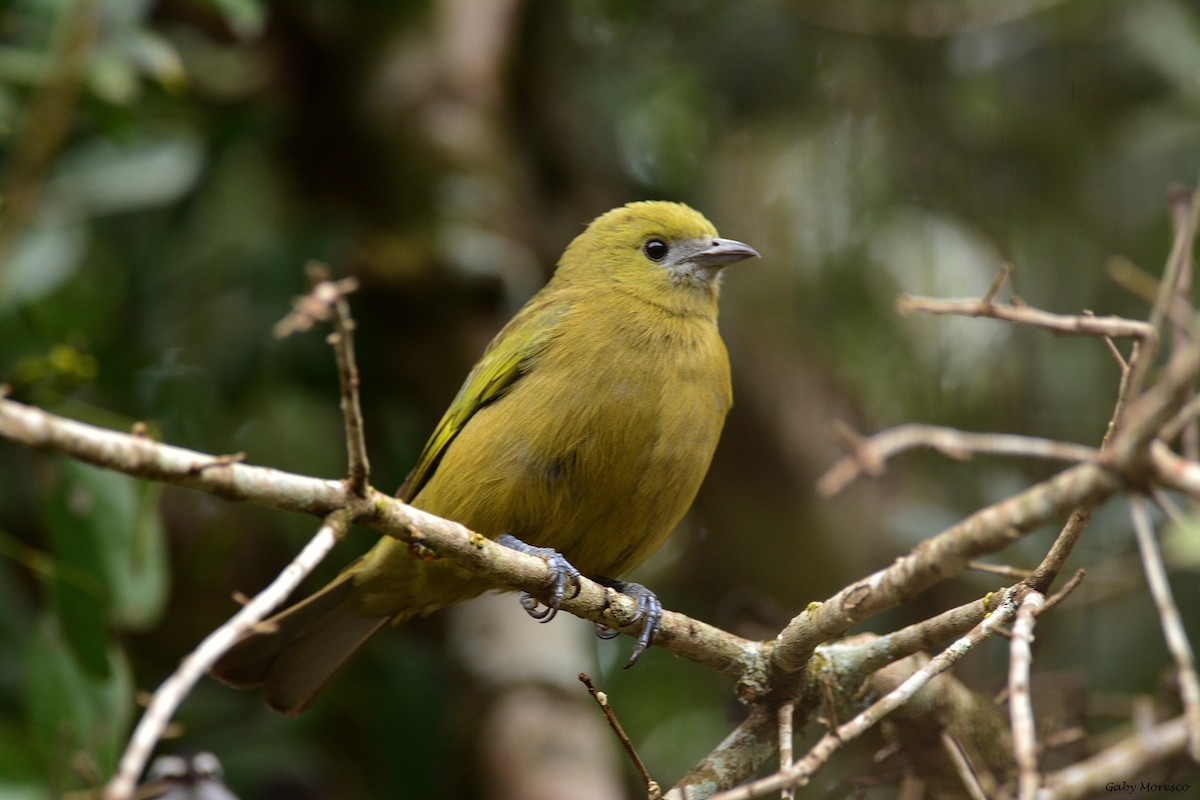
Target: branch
868	455
1020	703
741	753
143	458
799	773
1084	324
1173	631
173	691
1185	237
653	792
946	554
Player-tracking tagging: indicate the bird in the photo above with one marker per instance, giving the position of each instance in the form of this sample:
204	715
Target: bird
581	435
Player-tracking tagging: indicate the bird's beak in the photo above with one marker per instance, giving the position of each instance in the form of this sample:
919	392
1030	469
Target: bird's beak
722	252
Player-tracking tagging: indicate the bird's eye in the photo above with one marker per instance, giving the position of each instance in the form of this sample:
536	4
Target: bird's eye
655	249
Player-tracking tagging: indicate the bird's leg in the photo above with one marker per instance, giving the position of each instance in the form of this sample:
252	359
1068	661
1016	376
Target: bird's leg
648	611
563	578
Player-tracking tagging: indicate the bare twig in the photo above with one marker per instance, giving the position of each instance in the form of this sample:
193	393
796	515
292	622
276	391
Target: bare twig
327	302
348	380
1065	592
869	454
141	457
195	665
1173	471
1020	703
319	305
1084	324
1003	570
785	715
1002	277
653	791
963	767
1180	335
1185	236
1173	631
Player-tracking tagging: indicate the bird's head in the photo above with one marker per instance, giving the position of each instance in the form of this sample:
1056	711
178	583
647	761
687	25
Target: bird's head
663	252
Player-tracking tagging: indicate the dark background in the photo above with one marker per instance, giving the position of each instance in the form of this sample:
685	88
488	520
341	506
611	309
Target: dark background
169	167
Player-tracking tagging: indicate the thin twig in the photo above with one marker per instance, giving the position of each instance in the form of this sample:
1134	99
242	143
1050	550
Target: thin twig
1185	235
1172	471
1173	631
1083	324
1065	592
1183	418
1003	570
172	692
348	379
326	302
869	454
1020	704
785	715
653	791
963	767
998	282
1180	335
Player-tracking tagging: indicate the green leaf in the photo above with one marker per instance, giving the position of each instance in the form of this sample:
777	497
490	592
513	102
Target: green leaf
71	710
44	256
112	558
100	176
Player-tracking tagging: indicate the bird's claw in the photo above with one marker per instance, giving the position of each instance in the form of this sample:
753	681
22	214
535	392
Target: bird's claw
648	610
564	578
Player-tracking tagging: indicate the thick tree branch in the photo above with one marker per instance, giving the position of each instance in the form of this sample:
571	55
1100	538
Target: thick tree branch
946	554
800	772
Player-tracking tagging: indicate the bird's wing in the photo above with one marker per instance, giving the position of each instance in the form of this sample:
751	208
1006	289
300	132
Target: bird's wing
509	356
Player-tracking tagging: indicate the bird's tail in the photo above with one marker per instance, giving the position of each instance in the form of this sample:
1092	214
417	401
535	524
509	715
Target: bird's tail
296	653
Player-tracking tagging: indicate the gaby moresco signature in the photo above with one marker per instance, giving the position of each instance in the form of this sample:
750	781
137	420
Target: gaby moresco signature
1126	787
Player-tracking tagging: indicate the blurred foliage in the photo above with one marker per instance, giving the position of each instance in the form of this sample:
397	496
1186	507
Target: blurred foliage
168	167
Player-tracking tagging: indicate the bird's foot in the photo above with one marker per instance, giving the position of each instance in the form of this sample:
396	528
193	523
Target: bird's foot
564	578
648	611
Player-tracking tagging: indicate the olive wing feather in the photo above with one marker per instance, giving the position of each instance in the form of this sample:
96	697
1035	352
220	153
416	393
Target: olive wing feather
509	356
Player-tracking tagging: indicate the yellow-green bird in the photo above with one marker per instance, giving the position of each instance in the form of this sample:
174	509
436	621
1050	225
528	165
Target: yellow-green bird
582	436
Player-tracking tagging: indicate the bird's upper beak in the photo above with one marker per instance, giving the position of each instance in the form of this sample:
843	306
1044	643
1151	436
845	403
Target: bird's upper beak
722	252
